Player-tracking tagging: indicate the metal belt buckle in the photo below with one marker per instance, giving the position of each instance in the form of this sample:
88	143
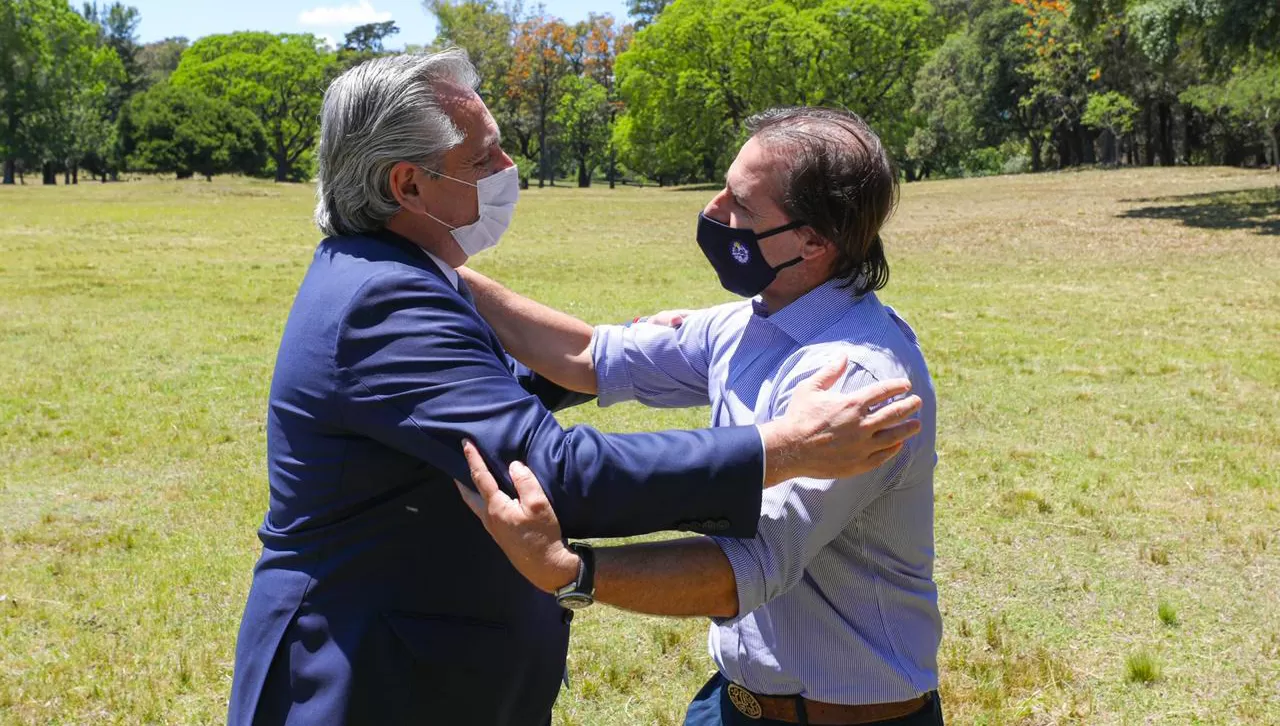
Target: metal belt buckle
744	701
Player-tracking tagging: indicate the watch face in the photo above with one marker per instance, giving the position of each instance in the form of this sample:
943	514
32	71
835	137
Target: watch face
575	601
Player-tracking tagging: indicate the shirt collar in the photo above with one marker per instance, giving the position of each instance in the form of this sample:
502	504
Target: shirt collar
450	274
446	269
813	312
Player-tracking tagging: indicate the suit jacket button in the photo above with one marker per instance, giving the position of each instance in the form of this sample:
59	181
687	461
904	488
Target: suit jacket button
567	616
722	525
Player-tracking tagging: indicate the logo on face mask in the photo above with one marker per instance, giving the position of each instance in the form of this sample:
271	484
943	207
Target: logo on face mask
740	253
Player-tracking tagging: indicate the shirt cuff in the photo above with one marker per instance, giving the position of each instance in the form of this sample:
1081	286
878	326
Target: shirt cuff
764	458
747	574
608	353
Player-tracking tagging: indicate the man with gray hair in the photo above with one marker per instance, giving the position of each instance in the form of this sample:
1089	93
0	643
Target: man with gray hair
378	598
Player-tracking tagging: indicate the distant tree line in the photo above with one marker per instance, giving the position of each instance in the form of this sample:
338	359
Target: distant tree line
954	87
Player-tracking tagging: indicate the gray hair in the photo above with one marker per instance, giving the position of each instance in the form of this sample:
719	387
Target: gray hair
375	115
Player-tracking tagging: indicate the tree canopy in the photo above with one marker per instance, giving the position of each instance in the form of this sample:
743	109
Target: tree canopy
280	78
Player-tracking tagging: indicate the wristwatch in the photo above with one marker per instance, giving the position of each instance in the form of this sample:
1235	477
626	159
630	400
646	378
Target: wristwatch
581	592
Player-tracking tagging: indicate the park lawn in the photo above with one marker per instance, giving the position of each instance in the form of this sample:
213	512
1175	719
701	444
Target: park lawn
1105	344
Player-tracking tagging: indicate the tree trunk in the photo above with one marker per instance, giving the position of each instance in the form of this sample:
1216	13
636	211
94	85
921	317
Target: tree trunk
48	174
75	175
1063	147
1188	134
584	177
1166	135
1148	137
1109	148
1034	141
613	168
10	163
542	148
1273	136
282	169
66	176
1085	139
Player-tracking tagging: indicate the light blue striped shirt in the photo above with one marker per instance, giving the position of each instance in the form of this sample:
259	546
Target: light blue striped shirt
836	599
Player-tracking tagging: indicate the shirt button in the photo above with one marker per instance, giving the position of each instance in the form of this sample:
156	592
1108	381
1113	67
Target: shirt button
567	616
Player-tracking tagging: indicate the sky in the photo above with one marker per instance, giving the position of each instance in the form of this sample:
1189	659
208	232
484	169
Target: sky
325	18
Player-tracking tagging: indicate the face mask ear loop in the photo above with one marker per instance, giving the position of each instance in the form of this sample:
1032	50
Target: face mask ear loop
784	228
439	221
442	175
785	265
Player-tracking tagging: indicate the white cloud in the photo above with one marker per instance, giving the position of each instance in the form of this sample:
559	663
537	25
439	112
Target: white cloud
329	40
343	15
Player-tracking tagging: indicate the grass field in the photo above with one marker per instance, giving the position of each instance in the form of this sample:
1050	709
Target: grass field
1106	347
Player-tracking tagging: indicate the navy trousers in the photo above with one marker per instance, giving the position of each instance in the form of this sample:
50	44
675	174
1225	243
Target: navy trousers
711	707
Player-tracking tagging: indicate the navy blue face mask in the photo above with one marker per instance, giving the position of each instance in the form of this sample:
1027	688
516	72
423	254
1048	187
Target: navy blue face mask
735	255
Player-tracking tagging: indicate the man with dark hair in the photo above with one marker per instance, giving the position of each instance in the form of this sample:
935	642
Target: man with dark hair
828	615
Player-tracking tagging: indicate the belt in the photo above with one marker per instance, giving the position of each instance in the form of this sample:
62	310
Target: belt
817	713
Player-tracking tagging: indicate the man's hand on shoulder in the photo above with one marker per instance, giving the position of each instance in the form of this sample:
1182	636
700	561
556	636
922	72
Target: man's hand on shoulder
826	434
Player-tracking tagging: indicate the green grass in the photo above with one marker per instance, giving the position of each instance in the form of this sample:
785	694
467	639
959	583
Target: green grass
1143	667
1106	347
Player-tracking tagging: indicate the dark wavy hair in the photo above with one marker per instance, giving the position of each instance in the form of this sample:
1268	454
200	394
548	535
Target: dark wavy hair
839	179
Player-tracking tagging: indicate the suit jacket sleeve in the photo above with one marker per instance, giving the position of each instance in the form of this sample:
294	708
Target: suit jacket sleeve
419	371
552	395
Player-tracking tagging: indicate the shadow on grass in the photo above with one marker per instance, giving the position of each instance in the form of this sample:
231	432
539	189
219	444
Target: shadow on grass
1257	210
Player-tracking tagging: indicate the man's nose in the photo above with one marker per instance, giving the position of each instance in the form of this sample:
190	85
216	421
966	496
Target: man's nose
717	209
504	161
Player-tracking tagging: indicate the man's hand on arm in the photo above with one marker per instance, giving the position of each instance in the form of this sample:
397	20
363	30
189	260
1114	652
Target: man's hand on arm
551	343
682	578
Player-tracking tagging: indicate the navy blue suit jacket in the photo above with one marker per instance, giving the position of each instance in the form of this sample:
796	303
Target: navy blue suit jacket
379	598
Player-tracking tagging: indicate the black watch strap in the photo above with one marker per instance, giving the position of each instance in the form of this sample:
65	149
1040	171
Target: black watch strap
586	583
581	592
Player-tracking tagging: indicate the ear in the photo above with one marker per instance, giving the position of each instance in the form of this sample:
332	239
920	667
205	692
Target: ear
813	245
406	187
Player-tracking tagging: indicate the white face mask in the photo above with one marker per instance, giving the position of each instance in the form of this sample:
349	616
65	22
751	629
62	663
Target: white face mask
497	195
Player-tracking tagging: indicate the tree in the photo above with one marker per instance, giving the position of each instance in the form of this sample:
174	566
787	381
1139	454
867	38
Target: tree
368	38
1114	113
645	11
540	60
582	115
280	78
53	74
118	29
1251	98
1059	72
602	42
178	129
118	25
693	76
365	42
157	61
